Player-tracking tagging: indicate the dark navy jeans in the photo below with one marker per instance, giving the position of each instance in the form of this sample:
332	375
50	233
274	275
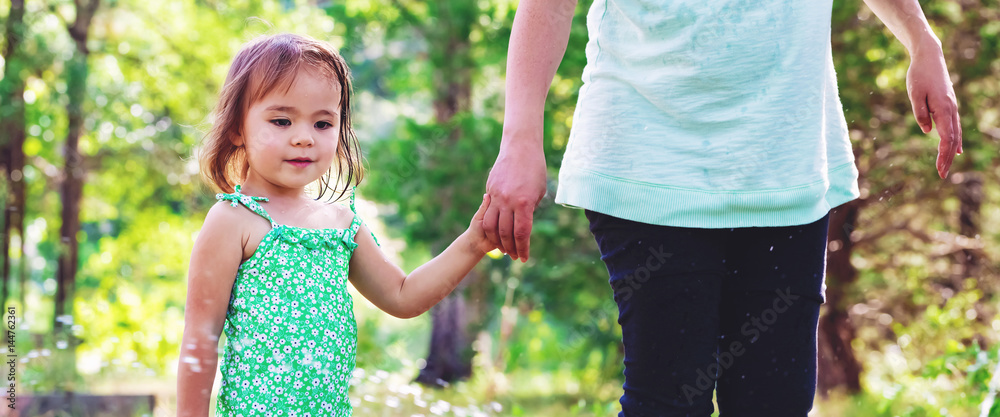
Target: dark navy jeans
731	310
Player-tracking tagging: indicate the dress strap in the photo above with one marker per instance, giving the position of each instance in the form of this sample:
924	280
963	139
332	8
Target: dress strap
250	202
356	223
353	190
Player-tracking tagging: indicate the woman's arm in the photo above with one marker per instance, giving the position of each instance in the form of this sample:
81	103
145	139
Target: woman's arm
927	81
214	261
385	285
906	21
517	181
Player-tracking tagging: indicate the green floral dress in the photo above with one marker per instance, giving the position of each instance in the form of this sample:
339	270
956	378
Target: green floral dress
290	329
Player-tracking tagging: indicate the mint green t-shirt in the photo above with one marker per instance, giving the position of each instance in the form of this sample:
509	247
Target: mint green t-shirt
709	114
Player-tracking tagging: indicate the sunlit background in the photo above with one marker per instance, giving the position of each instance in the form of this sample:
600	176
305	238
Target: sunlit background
910	327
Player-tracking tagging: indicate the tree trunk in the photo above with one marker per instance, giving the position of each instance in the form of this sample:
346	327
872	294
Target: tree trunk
450	356
71	189
838	367
970	195
12	141
454	322
86	405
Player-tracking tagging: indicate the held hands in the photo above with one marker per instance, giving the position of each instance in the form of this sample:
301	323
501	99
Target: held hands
517	184
477	240
933	97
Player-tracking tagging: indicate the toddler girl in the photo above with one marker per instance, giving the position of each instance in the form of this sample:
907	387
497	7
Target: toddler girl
273	273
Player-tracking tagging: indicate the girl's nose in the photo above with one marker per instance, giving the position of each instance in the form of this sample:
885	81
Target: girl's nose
303	139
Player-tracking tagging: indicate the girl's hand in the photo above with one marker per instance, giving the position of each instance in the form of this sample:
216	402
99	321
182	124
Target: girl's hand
934	103
477	240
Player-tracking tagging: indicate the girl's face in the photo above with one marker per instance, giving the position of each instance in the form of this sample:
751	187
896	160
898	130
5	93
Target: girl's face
291	137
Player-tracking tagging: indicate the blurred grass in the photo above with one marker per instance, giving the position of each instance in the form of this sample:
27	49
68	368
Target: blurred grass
540	370
953	385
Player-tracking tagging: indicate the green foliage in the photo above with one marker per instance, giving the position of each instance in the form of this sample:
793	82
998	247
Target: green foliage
420	162
414	168
550	345
953	384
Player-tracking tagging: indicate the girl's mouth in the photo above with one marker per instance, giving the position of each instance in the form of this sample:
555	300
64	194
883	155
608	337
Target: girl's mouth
300	162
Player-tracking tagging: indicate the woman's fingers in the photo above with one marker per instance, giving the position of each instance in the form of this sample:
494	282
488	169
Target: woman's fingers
491	219
921	111
944	118
958	130
505	228
523	218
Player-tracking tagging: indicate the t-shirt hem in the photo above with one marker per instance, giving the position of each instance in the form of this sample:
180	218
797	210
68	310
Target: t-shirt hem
683	207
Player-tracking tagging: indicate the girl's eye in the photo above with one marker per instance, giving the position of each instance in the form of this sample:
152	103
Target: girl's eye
282	122
323	125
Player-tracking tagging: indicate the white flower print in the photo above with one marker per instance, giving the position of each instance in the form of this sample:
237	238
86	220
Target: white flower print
289	315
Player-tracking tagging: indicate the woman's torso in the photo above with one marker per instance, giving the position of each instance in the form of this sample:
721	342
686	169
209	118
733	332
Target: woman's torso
726	112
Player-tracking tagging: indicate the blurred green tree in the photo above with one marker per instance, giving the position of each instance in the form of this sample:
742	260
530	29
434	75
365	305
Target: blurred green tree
912	268
12	132
904	208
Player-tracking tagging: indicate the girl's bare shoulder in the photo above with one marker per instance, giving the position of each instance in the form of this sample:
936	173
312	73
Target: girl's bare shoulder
337	215
235	221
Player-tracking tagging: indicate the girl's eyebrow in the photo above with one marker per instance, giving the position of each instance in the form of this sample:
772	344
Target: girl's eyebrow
293	110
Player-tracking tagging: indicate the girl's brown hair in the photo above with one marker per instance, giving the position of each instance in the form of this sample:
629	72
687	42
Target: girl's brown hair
261	66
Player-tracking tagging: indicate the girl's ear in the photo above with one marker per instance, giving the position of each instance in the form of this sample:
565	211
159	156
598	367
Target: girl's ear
236	139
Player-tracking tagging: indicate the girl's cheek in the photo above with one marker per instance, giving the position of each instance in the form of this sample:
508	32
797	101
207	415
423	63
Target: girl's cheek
266	140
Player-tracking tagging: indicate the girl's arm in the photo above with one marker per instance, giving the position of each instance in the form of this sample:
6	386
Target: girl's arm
927	81
405	296
214	261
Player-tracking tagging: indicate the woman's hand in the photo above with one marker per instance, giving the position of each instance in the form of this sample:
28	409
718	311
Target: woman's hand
933	97
477	240
517	181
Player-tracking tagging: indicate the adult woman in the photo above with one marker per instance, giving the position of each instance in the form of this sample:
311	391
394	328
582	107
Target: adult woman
708	146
